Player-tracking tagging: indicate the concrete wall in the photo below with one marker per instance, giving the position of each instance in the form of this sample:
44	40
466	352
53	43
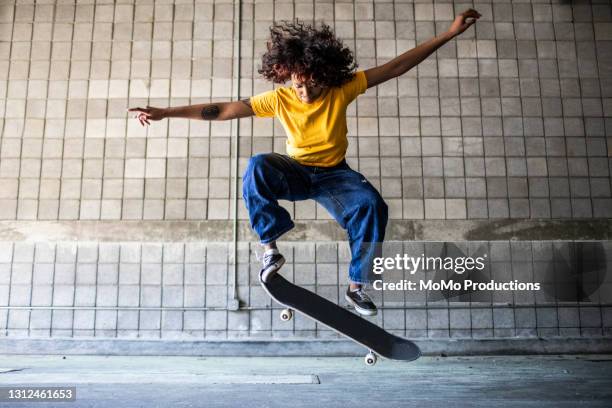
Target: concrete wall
503	134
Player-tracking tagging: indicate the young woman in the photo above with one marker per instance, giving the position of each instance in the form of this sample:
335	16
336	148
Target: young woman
313	114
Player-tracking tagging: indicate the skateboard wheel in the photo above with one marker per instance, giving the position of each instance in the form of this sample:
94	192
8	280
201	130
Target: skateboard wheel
286	315
370	359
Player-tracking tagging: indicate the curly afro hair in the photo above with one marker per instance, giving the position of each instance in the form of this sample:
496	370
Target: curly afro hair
302	49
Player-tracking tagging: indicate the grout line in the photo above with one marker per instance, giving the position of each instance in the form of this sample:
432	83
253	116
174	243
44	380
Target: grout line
533	295
8	77
482	137
513	292
75	264
63	150
23	138
8	301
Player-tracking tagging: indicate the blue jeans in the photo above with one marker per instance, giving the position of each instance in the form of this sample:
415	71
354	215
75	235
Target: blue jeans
346	194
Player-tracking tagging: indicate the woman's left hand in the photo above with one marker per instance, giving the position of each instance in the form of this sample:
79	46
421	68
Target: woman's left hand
463	21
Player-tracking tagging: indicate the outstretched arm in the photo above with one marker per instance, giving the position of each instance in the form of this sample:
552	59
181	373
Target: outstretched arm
413	57
205	111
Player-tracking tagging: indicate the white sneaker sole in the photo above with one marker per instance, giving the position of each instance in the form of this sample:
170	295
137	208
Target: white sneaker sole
359	309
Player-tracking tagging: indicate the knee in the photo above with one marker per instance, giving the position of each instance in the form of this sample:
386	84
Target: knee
255	163
374	204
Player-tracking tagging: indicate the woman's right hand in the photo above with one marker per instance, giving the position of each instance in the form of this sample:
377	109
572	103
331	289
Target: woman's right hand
144	115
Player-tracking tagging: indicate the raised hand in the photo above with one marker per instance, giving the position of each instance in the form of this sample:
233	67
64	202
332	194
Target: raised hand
463	21
144	115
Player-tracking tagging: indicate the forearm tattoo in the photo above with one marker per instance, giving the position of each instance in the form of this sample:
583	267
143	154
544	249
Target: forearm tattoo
210	112
247	102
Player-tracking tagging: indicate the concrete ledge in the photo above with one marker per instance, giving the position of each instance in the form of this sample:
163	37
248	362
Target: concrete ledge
316	230
305	347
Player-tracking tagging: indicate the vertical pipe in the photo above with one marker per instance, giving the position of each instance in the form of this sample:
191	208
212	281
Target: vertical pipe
233	302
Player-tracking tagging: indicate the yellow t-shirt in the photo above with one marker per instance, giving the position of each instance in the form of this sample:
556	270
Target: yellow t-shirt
316	132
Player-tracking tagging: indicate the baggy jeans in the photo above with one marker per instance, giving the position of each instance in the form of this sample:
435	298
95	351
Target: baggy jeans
352	201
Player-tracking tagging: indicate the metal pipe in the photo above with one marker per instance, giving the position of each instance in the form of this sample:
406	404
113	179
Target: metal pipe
233	303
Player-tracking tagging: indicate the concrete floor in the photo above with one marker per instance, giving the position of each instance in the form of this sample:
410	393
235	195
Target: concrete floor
493	381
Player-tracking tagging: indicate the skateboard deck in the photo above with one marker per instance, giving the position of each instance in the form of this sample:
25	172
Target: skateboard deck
341	320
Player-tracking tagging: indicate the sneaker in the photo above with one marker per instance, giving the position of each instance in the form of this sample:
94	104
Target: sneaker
361	301
272	262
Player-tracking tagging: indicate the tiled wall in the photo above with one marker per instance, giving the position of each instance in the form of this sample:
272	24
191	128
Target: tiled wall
180	290
511	120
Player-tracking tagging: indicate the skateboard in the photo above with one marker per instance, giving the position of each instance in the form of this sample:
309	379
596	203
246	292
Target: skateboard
377	340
